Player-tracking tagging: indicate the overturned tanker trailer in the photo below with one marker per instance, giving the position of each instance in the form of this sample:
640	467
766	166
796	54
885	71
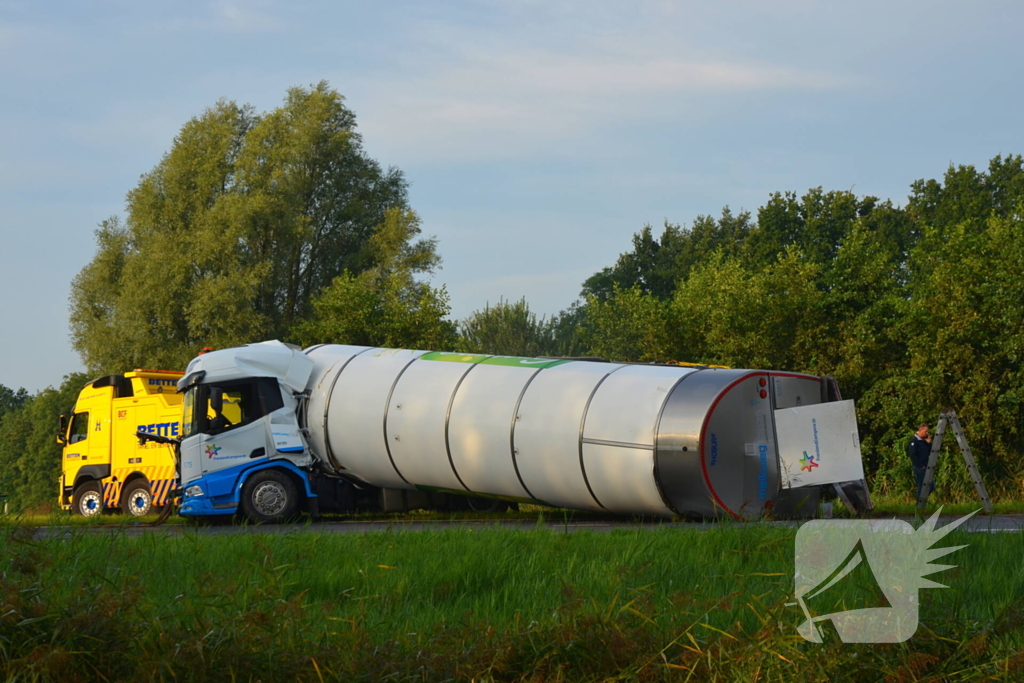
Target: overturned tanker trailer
270	429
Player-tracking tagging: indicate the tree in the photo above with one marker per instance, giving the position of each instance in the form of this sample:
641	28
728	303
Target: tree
656	266
815	223
727	314
968	195
508	329
11	400
386	305
233	234
30	458
630	325
566	331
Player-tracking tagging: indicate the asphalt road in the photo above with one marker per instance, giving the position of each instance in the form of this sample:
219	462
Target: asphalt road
977	524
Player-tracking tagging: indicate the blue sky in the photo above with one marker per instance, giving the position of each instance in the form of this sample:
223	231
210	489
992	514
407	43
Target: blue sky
537	137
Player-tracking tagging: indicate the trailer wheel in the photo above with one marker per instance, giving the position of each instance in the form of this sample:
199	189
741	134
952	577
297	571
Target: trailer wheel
269	496
88	499
137	499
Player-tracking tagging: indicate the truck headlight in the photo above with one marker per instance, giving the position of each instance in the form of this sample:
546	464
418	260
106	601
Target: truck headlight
194	490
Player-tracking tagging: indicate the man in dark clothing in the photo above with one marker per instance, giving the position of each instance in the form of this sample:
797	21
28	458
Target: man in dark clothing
919	450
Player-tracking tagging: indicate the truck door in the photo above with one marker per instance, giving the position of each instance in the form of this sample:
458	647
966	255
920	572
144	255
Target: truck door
233	431
77	448
223	430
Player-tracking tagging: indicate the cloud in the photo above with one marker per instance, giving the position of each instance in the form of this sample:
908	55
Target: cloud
476	95
245	17
222	16
595	76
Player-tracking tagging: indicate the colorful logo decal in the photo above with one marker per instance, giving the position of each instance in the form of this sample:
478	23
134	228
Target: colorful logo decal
212	450
807	462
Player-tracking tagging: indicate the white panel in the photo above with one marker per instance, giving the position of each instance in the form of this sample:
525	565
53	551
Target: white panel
623	478
327	362
626	406
356	419
548	432
480	428
416	422
818	444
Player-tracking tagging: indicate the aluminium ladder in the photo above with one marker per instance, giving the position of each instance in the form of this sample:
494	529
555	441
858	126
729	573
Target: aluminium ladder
948	416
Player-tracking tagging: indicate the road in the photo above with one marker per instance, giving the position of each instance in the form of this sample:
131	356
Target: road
977	524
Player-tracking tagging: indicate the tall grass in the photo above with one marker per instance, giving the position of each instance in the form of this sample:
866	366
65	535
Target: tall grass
491	605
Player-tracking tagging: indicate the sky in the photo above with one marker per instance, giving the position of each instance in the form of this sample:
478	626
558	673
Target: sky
537	137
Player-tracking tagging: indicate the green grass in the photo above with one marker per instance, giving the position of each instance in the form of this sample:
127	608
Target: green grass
496	604
958	505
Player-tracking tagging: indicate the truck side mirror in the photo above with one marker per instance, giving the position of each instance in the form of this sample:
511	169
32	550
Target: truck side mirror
62	430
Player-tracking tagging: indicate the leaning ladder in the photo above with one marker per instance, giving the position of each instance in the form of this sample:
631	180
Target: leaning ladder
948	416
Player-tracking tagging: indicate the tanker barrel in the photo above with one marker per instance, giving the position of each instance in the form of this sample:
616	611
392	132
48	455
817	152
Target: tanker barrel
625	438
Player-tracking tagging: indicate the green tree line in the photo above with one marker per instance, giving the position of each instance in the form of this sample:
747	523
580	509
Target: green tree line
279	225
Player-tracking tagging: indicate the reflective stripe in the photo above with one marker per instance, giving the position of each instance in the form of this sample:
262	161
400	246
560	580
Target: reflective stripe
161	495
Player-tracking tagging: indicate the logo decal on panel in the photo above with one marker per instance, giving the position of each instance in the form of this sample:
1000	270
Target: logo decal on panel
213	453
160	429
807	462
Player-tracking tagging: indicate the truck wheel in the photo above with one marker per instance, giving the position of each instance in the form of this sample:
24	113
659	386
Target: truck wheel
88	499
269	496
136	499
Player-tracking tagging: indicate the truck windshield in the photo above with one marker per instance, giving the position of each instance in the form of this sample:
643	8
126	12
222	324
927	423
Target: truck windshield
189	425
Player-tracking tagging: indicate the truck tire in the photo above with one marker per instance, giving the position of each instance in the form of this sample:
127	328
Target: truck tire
137	499
269	496
88	499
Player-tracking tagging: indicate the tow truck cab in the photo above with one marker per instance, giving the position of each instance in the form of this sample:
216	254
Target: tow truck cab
103	464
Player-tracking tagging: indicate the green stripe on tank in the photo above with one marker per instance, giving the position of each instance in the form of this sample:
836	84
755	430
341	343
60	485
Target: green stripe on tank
509	361
449	357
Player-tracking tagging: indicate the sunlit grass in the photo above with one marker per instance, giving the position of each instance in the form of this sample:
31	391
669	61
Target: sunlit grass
672	603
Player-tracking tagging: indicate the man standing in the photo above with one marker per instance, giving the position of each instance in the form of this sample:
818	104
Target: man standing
919	450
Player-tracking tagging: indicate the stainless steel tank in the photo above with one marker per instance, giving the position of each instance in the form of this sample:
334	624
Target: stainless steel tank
627	438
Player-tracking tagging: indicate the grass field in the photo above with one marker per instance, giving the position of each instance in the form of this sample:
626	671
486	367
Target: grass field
667	604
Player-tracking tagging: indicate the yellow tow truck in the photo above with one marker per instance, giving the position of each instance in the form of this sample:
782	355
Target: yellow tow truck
105	467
